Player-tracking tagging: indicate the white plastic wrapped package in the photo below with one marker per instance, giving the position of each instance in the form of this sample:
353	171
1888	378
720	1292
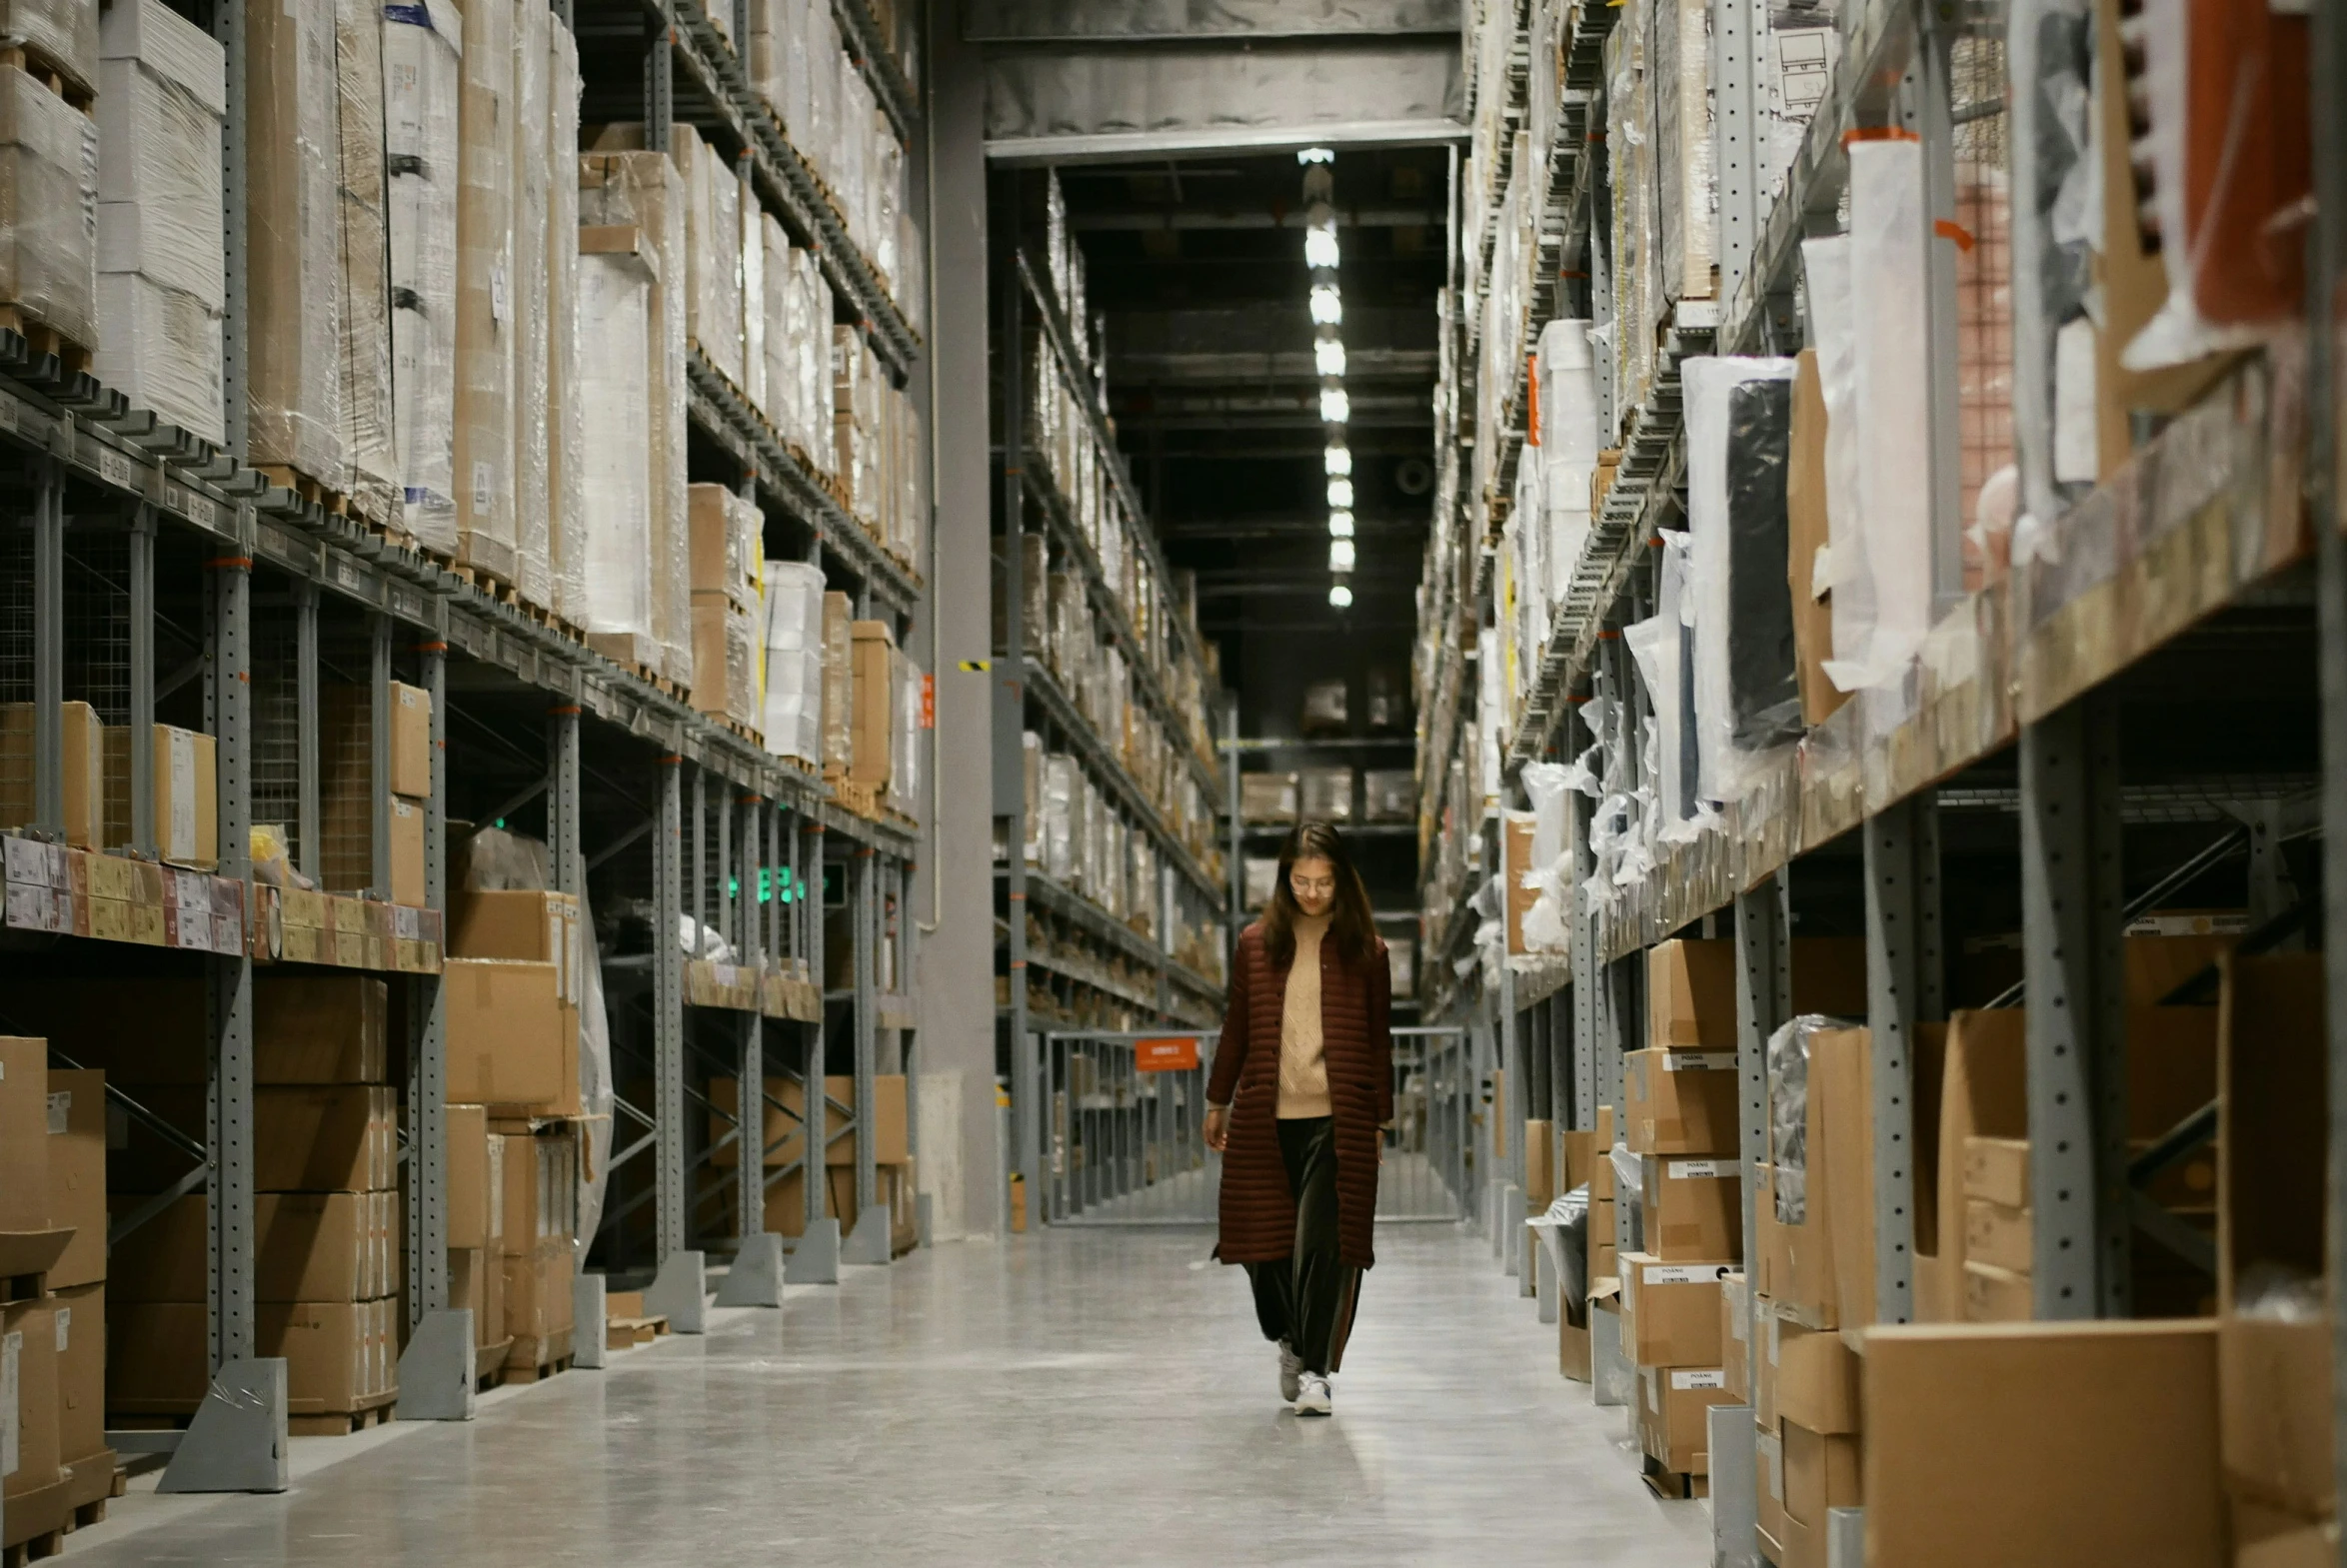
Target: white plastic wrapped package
532	361
774	338
1680	83
486	325
1062	796
751	242
1788	1115
1731	590
791	717
1825	265
1569	444
1802	48
904	753
712	252
162	97
616	313
423	49
815	362
1890	297
369	477
565	428
293	277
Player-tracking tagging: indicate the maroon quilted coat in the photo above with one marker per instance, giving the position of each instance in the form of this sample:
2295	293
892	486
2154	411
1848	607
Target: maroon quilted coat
1259	1214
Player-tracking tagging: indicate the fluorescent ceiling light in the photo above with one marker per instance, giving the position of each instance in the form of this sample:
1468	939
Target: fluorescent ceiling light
1341	524
1340	493
1327	305
1341	554
1328	355
1339	460
1335	406
1320	244
1339	596
1317	155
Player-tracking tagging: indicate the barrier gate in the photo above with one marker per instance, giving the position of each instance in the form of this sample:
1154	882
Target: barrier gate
1121	1138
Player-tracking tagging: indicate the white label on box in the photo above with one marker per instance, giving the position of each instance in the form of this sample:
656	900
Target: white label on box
1682	1381
64	1329
1683	1273
60	1111
1704	1169
484	486
1698	1061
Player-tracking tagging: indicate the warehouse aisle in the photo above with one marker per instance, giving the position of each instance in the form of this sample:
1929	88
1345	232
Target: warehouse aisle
1081	1397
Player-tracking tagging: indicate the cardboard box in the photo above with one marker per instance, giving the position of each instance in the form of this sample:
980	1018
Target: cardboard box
467	1186
1519	860
1600	1168
873	716
1997	1170
782	1140
2272	1118
340	1356
1691	994
537	926
307	1246
1540	1166
1671	1311
307	1028
306	1138
411	744
2268	1538
77	1175
537	1306
319	1028
1819	1471
29	1328
1673	1427
1693	1207
1736	1337
1841	1068
2274	1415
1807	1375
2089	1442
187	809
83	764
81	1375
1681	1101
407	853
1999	1235
511	1041
539	1201
24	1134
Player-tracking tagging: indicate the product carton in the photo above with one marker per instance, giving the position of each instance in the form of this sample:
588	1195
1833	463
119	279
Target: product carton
1807	1375
782	1140
1735	1336
29	1329
873	702
83	766
1681	1101
307	1246
1671	1311
512	1039
339	1137
2075	1442
81	1390
541	928
1691	996
475	1197
1818	1471
1693	1208
187	810
28	1244
1674	1429
411	742
1841	1068
77	1175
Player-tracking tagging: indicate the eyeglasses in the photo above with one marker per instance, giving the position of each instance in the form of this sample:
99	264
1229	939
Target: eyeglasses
1305	887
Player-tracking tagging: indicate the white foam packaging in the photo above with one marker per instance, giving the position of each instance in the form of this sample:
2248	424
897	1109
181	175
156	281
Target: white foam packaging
161	101
423	53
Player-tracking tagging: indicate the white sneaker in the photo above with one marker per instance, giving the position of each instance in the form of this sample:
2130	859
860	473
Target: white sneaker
1291	1373
1313	1397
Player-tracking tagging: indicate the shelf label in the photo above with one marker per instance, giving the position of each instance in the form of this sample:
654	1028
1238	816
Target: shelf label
346	574
117	471
1684	1273
1702	1169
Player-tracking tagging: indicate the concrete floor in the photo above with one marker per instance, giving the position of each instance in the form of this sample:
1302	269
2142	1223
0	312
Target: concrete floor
1082	1397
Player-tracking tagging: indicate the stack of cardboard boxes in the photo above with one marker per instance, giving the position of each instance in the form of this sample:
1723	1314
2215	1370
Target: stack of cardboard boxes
53	1263
347	791
326	1209
784	1140
512	995
96	770
728	545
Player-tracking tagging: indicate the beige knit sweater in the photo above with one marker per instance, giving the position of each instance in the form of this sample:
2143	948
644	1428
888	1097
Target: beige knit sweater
1303	1071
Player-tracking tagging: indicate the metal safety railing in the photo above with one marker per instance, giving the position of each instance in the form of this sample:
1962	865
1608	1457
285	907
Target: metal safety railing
1110	1128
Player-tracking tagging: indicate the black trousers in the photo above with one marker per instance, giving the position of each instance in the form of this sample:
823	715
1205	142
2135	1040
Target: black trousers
1308	1300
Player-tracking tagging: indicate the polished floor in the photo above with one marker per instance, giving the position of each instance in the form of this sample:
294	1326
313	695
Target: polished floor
1093	1396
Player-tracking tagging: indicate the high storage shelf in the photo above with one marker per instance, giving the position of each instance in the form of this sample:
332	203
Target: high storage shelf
641	794
2123	722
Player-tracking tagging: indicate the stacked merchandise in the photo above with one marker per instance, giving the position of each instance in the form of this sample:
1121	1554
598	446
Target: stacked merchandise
488	112
422	78
1388	794
875	450
49	171
369	472
161	285
326	1207
792	677
839	687
784	1140
727	550
53	1228
513	989
294	284
873	704
1324	793
904	787
631	305
348	790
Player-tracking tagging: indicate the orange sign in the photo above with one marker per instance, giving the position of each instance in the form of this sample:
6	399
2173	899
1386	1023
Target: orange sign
1176	1054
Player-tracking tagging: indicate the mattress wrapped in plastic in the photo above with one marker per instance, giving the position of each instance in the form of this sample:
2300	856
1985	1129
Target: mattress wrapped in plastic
423	61
486	323
370	459
617	313
293	276
792	715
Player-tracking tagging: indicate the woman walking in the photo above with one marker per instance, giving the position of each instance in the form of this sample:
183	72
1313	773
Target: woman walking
1301	1087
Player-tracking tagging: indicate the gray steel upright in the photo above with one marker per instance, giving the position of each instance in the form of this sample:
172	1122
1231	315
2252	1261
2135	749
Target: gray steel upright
1765	1002
1739	33
756	1279
869	1240
48	524
1902	988
677	1291
379	753
2074	966
142	681
308	812
562	798
816	1259
1029	1105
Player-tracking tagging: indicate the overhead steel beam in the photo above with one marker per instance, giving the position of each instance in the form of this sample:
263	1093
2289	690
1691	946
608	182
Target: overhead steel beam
1123	100
1254	368
1124	21
1177	218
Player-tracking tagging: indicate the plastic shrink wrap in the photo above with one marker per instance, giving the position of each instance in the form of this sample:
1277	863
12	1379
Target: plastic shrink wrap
1747	698
1680	85
905	755
712	252
565	429
370	475
422	67
1567	372
61	34
293	276
838	686
792	718
751	244
485	311
622	203
160	100
776	287
725	658
532	361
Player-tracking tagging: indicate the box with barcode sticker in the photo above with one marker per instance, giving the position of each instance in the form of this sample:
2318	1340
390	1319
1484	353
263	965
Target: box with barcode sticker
1693	1207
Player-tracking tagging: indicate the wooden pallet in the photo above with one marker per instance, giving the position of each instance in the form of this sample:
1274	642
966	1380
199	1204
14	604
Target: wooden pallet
325	497
861	799
341	1423
72	358
488	1364
626	1333
538	1374
50	72
1675	1485
35	1525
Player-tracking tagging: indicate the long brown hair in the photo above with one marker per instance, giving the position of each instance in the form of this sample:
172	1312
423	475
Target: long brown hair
1350	929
